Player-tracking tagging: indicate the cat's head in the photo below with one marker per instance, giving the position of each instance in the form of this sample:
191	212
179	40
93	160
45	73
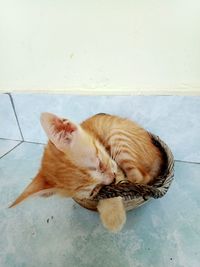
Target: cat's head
73	164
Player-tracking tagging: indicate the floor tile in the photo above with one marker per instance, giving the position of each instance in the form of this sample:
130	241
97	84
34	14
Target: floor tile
57	232
6	146
8	124
174	118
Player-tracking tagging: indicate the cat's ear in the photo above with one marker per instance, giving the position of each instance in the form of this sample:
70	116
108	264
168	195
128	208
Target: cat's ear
38	187
60	131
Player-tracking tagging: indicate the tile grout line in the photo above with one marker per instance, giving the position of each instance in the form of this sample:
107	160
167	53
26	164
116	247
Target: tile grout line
9	139
31	142
184	161
13	106
11	149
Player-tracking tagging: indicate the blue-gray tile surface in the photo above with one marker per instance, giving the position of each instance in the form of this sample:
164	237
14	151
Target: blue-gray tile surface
57	232
6	146
8	124
174	118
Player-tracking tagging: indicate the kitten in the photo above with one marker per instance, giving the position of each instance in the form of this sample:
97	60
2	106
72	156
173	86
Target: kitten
79	158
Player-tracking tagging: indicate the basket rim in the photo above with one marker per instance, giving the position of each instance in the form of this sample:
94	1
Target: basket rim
128	190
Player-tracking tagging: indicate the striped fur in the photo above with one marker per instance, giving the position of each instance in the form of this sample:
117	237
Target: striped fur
128	144
77	158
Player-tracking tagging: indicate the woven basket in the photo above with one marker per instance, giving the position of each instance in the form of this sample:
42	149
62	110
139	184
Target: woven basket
135	195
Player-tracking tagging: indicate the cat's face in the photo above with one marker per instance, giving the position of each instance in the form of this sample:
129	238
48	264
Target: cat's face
82	148
73	164
99	164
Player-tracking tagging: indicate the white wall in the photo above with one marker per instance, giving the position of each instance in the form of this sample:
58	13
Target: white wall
108	44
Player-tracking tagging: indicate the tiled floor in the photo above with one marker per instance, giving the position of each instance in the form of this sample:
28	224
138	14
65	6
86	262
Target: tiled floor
174	118
57	232
8	124
7	145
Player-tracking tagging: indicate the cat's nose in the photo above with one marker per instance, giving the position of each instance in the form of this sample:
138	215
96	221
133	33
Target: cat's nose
109	179
113	175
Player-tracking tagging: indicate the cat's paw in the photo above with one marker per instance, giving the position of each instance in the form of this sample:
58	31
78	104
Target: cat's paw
112	213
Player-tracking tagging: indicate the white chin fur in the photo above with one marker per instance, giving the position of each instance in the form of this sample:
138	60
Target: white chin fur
101	178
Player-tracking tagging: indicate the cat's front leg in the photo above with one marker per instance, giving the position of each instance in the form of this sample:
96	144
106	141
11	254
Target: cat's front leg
112	213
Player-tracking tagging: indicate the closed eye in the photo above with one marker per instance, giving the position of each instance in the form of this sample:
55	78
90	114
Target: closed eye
92	168
102	167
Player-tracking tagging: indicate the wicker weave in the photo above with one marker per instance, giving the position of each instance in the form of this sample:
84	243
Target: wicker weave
135	195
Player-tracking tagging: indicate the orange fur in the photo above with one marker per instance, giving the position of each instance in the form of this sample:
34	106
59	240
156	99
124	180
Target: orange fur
77	158
128	144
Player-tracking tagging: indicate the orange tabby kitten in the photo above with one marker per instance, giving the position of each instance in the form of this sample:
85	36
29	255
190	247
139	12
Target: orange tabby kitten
77	158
